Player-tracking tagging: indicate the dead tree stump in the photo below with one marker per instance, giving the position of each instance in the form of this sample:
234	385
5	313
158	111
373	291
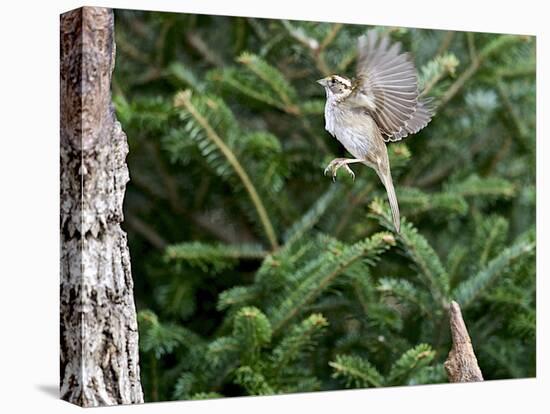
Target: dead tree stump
99	336
461	364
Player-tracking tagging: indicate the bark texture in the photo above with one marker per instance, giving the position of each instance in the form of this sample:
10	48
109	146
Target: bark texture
461	364
99	337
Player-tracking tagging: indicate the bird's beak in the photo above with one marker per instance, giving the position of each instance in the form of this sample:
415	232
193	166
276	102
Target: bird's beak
322	82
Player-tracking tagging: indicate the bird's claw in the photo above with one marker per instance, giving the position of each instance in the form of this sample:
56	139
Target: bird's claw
348	169
335	165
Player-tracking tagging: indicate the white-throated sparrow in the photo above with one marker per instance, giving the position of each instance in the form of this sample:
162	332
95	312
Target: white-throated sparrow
381	104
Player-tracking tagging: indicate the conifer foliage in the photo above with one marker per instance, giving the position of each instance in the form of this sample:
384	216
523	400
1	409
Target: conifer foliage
255	274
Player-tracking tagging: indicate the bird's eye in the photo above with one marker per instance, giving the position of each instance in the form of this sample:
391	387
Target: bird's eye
332	81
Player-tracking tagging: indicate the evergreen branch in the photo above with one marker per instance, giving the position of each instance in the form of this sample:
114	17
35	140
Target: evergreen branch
348	58
126	47
213	257
283	269
435	70
273	272
184	99
231	78
520	70
331	35
471	45
445	42
493	233
514	118
455	258
448	166
273	78
253	381
326	267
313	107
351	205
209	54
169	183
311	217
150	114
319	53
312	45
411	361
299	383
403	289
222	351
475	186
252	331
146	231
378	314
183	386
399	154
300	35
501	353
161	338
493	47
356	371
185	77
196	218
237	295
362	285
177	297
259	29
264	154
296	342
416	201
467	291
295	277
524	325
206	396
420	252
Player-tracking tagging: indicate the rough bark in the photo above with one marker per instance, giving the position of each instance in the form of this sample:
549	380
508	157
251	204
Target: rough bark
99	337
461	364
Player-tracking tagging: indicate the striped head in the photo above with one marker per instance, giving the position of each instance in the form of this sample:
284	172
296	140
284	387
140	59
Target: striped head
336	86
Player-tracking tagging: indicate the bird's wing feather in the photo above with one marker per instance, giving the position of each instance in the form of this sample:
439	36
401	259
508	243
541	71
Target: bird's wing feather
387	87
420	118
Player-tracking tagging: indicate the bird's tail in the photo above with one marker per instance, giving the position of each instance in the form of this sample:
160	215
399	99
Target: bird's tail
388	183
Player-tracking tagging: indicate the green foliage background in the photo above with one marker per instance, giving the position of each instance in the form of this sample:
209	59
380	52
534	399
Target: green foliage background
255	274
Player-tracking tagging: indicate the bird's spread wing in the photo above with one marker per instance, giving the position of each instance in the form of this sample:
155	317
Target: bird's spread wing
387	87
420	118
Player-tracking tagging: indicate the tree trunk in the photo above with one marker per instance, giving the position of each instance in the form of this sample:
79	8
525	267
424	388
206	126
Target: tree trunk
99	337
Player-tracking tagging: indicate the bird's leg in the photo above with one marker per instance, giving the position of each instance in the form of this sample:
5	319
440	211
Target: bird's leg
336	163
